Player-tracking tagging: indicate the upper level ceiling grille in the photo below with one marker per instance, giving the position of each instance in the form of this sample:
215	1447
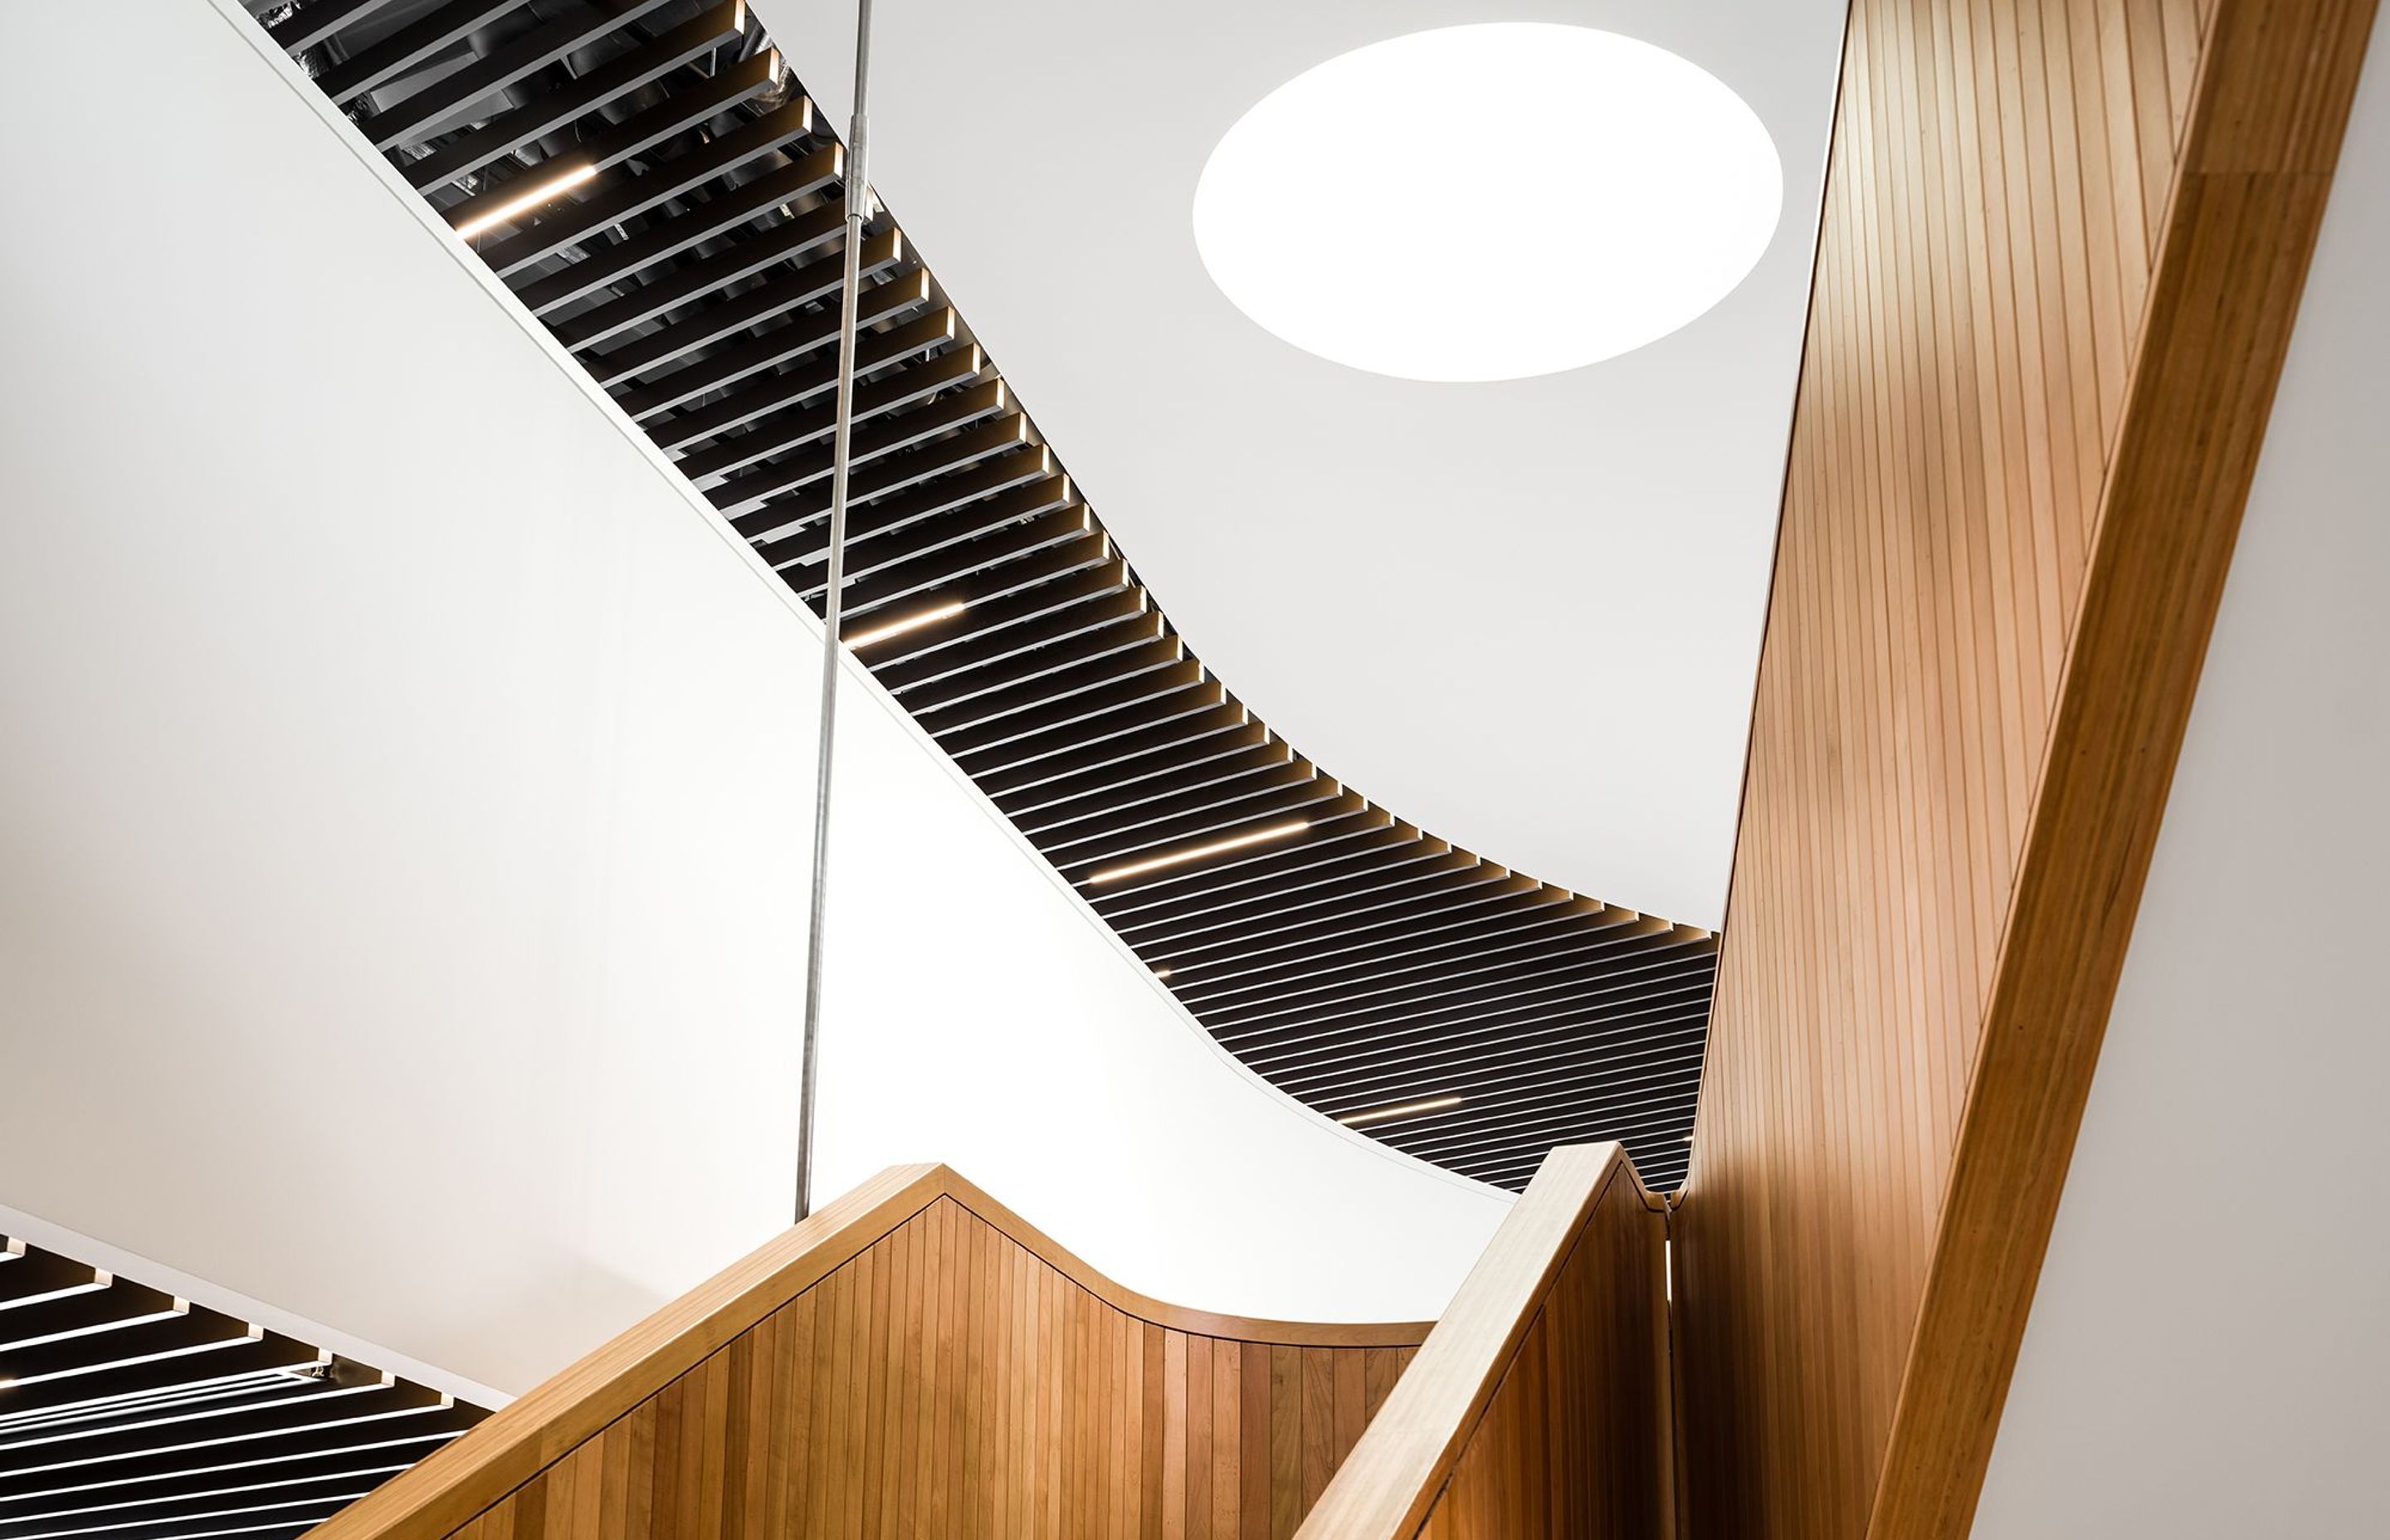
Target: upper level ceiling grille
128	1413
649	180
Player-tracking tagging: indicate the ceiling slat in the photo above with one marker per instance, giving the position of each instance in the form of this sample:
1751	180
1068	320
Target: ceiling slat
664	237
411	44
759	397
428	110
817	278
643	65
814	235
631	194
311	23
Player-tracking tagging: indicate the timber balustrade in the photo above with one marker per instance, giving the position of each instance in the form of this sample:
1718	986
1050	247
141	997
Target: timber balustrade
915	1359
1539	1405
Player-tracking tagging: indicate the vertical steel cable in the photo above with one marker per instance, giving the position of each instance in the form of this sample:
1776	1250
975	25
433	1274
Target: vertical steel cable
859	210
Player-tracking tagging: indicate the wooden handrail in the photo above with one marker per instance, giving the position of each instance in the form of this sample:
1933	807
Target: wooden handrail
1404	1463
1177	1317
446	1491
521	1439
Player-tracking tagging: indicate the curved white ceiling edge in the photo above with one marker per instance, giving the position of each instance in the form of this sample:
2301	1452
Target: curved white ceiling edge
1523	615
1366	211
418	900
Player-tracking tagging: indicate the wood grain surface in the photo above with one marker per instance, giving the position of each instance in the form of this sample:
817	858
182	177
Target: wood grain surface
913	1360
2062	246
1538	1406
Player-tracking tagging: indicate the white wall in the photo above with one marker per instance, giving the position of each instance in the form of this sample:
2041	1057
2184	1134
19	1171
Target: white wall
402	808
2209	1350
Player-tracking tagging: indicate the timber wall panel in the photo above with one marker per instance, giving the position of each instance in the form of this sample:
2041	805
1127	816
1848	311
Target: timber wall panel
947	1381
1571	1442
957	1375
2008	505
1539	1405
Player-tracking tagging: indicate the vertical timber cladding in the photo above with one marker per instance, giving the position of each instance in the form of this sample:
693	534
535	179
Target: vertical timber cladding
2062	248
1570	1440
947	1381
1540	1406
914	1359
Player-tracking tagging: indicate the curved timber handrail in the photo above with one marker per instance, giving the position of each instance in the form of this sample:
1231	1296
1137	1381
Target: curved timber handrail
576	1433
1539	1404
1177	1317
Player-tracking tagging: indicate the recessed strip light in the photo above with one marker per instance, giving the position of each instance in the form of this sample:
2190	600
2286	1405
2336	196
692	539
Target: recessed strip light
548	189
1408	1108
910	623
1197	852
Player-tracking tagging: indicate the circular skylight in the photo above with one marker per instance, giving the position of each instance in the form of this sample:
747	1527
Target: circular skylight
1488	202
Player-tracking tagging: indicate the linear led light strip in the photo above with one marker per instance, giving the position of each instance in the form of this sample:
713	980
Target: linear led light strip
1197	852
1406	1109
539	194
910	623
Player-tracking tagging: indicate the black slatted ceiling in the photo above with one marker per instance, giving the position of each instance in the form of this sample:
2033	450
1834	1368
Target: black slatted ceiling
1355	961
130	1414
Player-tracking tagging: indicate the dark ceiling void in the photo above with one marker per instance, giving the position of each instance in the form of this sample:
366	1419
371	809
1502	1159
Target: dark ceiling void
651	184
128	1413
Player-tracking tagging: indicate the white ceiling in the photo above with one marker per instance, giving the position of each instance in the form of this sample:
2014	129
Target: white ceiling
1524	615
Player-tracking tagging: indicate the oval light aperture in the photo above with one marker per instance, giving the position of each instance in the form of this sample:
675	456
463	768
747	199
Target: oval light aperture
1488	202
